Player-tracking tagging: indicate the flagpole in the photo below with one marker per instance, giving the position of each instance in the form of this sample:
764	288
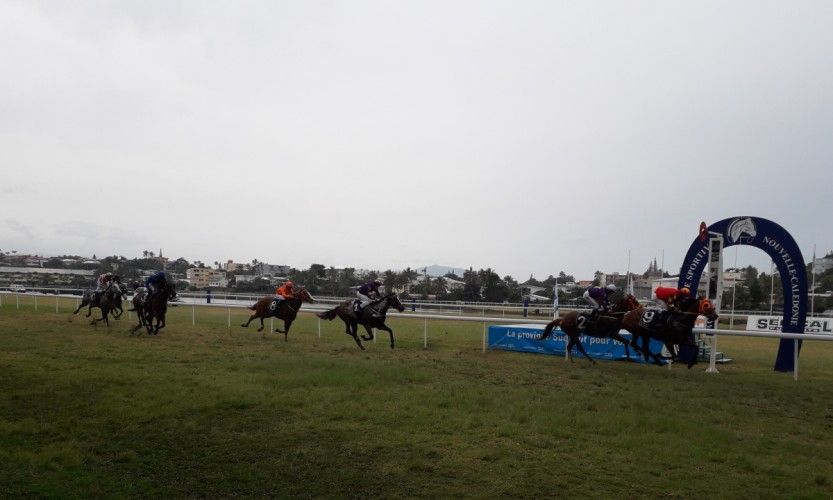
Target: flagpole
555	300
734	285
628	285
662	265
813	287
771	285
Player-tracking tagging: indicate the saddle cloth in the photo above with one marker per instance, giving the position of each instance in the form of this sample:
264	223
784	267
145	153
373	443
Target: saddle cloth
652	319
583	320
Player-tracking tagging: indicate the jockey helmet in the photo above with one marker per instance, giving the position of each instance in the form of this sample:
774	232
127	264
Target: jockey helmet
685	290
377	282
289	284
611	287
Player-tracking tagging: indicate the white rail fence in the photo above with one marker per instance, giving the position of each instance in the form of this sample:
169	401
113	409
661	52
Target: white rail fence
241	301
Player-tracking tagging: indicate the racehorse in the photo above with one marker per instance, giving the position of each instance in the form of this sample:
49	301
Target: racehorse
286	310
677	331
139	295
114	305
372	316
156	307
574	324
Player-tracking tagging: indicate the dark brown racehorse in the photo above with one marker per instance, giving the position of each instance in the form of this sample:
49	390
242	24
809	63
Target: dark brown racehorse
114	306
678	331
606	326
287	310
156	307
372	316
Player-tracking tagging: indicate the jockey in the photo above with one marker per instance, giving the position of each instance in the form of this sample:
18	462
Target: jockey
154	282
103	281
101	284
599	298
138	289
667	297
368	292
285	291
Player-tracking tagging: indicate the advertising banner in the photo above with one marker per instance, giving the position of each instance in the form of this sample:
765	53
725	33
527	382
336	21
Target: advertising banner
524	338
774	323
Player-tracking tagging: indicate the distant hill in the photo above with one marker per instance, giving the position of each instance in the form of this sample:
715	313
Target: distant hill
436	270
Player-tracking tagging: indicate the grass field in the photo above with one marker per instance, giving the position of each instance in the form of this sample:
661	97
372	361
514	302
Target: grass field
201	411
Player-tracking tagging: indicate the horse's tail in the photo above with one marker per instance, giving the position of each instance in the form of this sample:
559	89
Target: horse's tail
548	330
328	315
253	307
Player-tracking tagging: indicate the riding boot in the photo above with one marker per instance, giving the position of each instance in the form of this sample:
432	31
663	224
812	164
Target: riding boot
594	315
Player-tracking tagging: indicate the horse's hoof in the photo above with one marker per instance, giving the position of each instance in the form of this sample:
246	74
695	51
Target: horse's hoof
244	326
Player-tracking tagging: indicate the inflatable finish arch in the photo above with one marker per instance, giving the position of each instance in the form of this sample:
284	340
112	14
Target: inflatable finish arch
781	247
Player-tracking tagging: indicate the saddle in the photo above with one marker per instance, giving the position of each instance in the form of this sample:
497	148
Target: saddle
654	319
358	309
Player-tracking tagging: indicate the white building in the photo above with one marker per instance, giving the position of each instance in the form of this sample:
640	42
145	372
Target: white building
202	277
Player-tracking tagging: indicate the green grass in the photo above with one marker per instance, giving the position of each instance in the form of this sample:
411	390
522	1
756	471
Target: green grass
201	411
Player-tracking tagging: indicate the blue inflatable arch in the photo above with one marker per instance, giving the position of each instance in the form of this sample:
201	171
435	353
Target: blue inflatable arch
781	247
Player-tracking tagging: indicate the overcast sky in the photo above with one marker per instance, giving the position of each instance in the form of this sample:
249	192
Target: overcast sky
526	136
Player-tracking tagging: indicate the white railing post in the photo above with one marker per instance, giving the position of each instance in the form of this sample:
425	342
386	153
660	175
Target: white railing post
56	300
193	314
712	356
484	336
36	300
425	333
319	328
271	325
17	299
795	359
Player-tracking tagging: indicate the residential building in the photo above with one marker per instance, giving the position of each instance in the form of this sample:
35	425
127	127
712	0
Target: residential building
231	266
206	277
823	265
263	269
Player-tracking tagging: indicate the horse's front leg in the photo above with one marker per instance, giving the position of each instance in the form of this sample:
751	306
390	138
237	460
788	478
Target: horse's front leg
386	328
286	324
369	335
89	310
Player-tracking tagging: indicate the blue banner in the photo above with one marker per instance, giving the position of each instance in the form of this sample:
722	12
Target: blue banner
524	338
